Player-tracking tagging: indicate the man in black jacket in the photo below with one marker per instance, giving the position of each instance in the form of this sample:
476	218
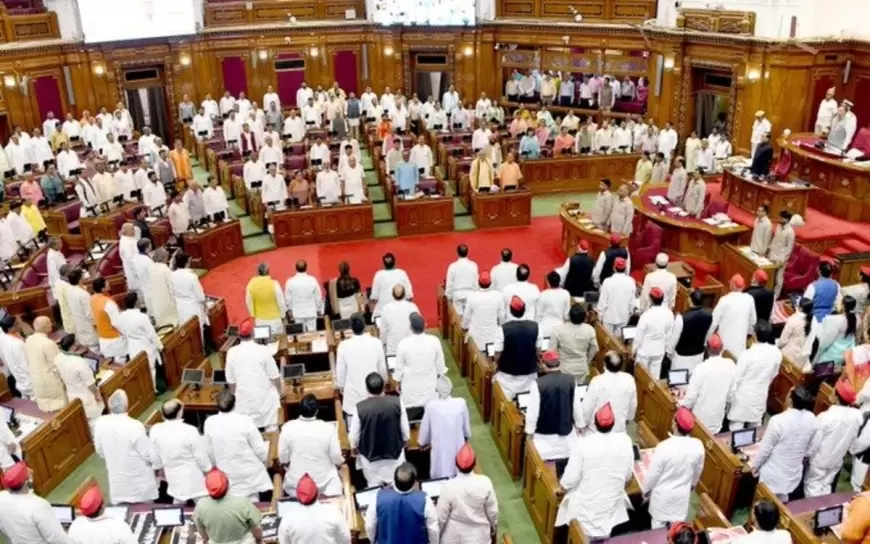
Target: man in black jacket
142	225
550	413
379	433
762	296
762	158
604	265
577	271
516	358
686	345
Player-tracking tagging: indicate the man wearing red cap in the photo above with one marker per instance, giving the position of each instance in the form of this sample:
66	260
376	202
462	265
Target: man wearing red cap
860	292
618	298
711	387
662	278
761	231
789	438
674	472
314	522
613	387
505	272
594	481
516	356
527	291
838	428
653	332
607	260
461	279
253	376
94	526
484	310
622	216
734	317
224	516
576	273
782	245
553	411
756	369
25	517
467	507
762	296
603	206
237	448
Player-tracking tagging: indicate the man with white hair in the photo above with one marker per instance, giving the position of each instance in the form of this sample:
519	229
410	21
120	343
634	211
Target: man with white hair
181	452
446	426
264	299
662	278
419	364
122	443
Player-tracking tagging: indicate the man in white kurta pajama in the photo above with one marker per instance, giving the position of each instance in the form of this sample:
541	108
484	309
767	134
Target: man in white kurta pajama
95	526
309	445
140	335
711	387
552	306
838	428
395	324
122	443
446	426
48	390
14	357
756	369
253	376
141	267
304	297
617	299
484	312
384	281
181	452
163	308
461	279
80	309
187	291
419	364
26	517
615	388
734	317
356	358
653	331
467	507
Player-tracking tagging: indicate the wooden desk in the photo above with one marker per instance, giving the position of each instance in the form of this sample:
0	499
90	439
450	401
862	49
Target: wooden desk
724	476
456	338
575	228
788	377
215	245
735	261
607	342
750	195
105	226
710	287
480	372
686	237
841	187
58	446
425	215
656	406
501	209
508	430
134	378
219	321
576	174
182	348
323	224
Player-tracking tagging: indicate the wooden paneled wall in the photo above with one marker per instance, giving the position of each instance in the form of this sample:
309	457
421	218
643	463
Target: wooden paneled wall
279	11
22	28
783	80
591	10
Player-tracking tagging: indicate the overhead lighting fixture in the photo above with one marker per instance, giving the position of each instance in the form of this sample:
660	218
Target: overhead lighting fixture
669	63
9	80
468	50
388	51
184	60
264	54
314	52
99	69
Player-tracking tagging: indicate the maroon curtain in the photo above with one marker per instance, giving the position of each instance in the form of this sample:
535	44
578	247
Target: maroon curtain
47	93
235	79
862	101
289	81
344	70
822	85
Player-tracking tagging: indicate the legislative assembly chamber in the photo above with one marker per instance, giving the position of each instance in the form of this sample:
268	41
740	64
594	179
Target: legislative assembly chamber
435	271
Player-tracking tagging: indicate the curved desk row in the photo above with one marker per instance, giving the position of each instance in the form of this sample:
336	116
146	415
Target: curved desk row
322	224
215	245
749	195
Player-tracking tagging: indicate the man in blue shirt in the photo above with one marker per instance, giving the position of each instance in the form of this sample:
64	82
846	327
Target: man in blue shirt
407	174
52	185
824	292
529	148
566	92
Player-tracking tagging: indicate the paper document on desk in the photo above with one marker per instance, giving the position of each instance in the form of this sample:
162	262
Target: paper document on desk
319	345
26	426
711	221
728	225
151	219
675	209
759	260
104	374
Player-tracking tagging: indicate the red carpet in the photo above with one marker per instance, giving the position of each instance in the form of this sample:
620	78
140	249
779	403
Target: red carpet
424	258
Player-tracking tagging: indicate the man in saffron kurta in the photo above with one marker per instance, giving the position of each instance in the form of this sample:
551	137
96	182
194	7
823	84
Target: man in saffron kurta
107	321
48	390
181	160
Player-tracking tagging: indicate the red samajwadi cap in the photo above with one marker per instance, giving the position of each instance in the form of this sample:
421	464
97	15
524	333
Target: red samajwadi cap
216	483
714	342
846	392
604	416
246	327
615	238
685	419
16	476
517	303
306	489
583	246
656	292
484	279
91	501
760	276
465	457
737	281
619	263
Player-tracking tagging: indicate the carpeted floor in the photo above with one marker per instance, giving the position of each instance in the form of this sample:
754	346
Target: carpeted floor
424	258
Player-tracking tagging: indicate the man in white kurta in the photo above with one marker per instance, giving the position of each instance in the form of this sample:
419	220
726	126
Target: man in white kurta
781	247
93	525
484	313
304	297
54	261
353	181
80	310
309	445
613	387
140	335
667	141
48	389
677	185
446	428
163	308
421	156
253	376
236	447
294	127
25	517
122	443
181	453
827	110
662	278
600	466
187	291
14	357
734	317
461	279
384	281
622	213
756	369
711	387
419	364
838	428
356	358
202	126
215	199
312	520
653	331
527	291
328	185
760	127
617	299
394	323
467	507
78	379
274	188
674	472
761	232
788	439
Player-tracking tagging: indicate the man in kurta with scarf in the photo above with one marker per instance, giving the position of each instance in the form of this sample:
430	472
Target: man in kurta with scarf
48	389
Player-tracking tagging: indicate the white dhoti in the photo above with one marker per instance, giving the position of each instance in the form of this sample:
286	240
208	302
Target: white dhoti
309	323
348	306
818	481
653	365
135	347
114	348
688	362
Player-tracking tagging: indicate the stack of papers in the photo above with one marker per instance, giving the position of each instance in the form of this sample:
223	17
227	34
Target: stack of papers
728	225
757	259
711	221
26	426
659	200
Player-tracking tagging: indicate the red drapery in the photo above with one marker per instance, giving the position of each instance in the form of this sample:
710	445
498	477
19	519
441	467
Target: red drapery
344	71
46	90
235	80
289	81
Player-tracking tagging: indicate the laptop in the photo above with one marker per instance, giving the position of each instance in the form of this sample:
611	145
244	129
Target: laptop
678	378
432	487
218	377
828	517
193	376
168	517
64	513
293	372
743	438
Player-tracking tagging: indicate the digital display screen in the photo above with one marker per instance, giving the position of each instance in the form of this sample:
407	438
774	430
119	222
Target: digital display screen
433	487
829	517
391	362
168	517
677	378
523	400
262	332
64	513
741	439
366	498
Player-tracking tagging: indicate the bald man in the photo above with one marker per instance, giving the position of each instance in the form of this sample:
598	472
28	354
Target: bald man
394	323
48	390
181	451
